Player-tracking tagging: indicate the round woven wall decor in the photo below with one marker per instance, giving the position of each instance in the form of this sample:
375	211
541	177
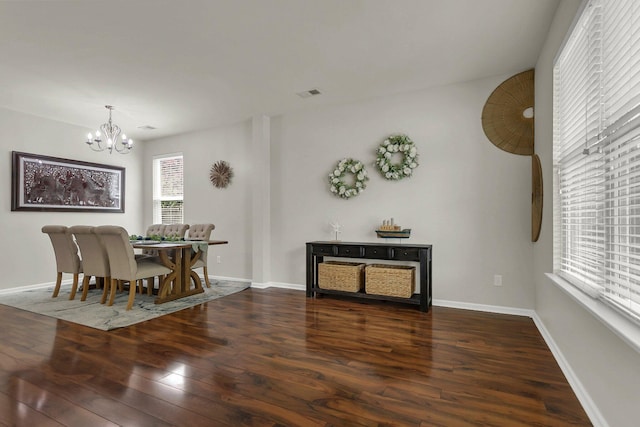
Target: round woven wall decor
536	197
507	116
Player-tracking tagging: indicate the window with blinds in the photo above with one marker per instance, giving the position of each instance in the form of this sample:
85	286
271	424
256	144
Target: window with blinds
168	190
597	154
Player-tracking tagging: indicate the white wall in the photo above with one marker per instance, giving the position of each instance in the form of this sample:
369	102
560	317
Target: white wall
27	246
230	208
467	198
606	367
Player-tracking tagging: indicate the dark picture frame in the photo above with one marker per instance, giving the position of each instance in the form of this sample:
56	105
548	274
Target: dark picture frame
46	184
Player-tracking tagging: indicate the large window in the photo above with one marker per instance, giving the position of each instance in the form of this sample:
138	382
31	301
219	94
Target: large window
597	154
168	190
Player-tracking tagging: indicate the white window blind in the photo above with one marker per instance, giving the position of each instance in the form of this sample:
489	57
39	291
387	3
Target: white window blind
597	154
168	190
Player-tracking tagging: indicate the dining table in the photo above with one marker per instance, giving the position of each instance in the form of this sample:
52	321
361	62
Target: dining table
179	256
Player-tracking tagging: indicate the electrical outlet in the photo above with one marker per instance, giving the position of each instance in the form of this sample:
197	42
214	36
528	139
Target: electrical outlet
218	259
497	280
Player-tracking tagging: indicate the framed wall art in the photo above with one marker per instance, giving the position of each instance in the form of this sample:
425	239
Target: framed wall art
43	183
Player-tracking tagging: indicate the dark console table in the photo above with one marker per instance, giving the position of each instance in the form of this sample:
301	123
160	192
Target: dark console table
316	251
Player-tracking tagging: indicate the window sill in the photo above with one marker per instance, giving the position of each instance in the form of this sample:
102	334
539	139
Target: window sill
621	325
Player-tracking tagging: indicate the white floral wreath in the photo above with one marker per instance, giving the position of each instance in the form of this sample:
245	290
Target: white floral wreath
394	144
336	179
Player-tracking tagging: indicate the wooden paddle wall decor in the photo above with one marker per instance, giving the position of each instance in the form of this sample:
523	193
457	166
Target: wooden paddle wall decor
508	122
536	197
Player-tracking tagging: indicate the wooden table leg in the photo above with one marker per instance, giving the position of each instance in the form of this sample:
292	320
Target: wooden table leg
181	275
189	273
197	283
165	291
185	269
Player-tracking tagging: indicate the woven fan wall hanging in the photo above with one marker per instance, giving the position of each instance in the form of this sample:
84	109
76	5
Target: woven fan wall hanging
507	120
507	116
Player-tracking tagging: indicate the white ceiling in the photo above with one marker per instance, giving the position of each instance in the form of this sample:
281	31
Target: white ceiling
183	65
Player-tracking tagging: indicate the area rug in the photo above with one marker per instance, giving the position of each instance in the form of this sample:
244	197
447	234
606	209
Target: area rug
100	316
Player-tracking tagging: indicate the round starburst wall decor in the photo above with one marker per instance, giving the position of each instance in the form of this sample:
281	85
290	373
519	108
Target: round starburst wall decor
221	174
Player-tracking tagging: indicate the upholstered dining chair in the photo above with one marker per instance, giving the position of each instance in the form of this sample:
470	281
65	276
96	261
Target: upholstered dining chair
66	252
162	230
123	263
153	230
95	261
201	232
175	230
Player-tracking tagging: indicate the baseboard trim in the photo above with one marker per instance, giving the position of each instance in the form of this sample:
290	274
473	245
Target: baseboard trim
230	279
259	285
583	396
63	284
498	309
283	285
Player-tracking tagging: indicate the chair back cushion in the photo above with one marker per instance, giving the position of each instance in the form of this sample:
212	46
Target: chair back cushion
95	261
201	231
155	230
122	261
175	230
65	249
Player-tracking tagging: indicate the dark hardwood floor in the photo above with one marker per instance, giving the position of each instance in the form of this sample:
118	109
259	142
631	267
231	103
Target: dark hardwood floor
275	358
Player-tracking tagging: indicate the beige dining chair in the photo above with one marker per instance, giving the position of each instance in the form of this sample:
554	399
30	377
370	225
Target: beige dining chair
201	232
175	231
95	261
153	230
163	230
66	252
123	263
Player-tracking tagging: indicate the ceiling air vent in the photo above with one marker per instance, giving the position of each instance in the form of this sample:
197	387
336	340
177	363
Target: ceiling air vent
147	127
308	93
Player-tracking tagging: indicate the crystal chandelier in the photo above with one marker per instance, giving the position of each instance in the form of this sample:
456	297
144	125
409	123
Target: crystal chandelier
112	134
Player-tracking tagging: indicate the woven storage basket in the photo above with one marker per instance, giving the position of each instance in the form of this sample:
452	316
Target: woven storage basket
390	280
341	276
